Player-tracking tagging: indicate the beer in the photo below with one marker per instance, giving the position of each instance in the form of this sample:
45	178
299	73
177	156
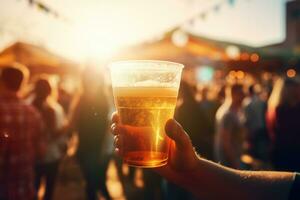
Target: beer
145	93
144	112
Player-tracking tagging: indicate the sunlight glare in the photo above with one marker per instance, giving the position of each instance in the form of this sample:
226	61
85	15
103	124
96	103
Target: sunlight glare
96	41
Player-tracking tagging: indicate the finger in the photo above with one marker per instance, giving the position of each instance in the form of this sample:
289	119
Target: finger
117	142
175	131
115	118
118	129
113	129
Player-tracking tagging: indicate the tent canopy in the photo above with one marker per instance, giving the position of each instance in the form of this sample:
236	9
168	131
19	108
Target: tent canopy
37	59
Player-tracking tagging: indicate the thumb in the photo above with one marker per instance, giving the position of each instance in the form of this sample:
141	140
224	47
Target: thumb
175	131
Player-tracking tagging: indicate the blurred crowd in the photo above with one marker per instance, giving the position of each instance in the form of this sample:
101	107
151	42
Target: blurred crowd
240	124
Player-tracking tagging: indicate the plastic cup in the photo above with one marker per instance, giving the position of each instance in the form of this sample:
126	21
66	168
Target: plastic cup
145	94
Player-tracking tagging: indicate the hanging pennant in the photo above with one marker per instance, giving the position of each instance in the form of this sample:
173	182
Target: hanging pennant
42	7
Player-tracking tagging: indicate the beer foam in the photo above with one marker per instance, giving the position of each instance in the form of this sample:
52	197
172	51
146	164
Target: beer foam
153	83
145	91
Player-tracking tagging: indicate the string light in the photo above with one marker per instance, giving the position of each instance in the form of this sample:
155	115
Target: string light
245	56
254	57
240	74
232	74
180	38
291	73
233	52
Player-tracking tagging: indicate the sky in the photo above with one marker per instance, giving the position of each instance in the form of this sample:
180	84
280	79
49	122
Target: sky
97	28
251	22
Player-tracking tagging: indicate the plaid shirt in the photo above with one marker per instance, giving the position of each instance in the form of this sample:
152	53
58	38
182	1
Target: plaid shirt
20	131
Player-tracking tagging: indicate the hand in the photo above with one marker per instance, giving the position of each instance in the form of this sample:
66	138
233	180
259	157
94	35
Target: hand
183	160
208	180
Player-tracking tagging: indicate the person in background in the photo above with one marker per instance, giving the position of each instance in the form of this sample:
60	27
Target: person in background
209	108
229	128
219	100
283	118
208	180
21	141
255	124
53	117
89	118
193	119
64	99
273	102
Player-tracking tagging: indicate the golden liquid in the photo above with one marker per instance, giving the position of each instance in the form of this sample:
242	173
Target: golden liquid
144	112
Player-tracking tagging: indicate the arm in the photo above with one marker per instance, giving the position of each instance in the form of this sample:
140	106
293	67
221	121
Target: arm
213	181
208	180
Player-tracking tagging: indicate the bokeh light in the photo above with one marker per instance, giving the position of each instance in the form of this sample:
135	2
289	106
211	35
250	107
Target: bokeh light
205	74
291	73
180	38
233	52
245	56
254	57
240	74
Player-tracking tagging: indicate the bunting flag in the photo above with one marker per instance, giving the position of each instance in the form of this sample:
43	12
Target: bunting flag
214	8
43	7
